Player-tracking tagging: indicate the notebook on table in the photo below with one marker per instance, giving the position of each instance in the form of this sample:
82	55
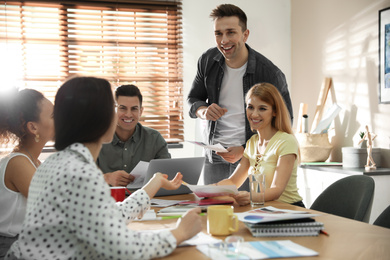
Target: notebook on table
293	227
190	168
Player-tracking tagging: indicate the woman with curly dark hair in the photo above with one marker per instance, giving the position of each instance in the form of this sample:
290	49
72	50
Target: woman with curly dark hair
26	119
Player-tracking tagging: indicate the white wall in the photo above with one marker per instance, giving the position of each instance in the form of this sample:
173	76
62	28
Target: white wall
308	40
339	39
269	26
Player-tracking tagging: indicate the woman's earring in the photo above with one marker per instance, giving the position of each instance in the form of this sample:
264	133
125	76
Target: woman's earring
36	138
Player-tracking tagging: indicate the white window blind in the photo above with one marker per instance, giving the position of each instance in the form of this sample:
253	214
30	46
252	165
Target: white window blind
42	43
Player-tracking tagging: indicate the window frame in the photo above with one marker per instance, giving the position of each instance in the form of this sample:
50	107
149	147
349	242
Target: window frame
162	92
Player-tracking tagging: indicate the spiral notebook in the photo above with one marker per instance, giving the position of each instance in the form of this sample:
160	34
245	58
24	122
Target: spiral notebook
295	228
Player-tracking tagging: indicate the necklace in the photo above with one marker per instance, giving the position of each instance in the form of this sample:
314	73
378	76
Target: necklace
32	159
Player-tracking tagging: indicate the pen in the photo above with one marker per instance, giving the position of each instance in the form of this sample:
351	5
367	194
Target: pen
179	216
324	232
184	183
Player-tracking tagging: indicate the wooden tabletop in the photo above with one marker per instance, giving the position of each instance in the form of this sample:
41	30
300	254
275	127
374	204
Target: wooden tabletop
348	239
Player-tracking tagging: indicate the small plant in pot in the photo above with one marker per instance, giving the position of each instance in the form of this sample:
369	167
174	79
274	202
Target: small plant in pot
362	143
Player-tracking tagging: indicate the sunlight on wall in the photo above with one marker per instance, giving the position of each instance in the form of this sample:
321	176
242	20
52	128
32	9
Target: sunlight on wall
351	59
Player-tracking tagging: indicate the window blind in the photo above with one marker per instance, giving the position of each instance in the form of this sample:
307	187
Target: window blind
42	43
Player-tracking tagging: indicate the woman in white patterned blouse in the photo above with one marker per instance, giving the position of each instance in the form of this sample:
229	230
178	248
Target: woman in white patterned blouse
70	212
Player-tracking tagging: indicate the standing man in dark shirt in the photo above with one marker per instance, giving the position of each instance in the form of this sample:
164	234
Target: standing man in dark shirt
225	74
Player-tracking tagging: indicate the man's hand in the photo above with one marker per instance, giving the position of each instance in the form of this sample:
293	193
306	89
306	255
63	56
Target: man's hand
233	155
212	112
118	178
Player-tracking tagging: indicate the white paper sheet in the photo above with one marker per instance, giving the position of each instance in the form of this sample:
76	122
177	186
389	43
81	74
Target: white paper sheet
148	215
212	190
200	239
139	173
214	147
270	214
257	250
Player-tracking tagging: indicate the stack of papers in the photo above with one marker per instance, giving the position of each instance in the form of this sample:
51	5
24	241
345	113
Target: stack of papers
160	203
206	202
178	210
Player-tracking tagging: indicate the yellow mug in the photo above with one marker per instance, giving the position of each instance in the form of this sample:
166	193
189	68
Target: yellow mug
221	221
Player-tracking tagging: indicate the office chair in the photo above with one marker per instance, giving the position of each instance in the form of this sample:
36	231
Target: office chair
350	197
383	219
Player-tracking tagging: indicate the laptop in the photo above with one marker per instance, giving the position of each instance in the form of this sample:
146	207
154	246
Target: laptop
190	168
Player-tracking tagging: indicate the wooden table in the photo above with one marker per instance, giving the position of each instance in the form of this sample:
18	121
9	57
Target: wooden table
348	239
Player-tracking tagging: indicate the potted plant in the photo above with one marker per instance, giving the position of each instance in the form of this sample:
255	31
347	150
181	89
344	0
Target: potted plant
362	143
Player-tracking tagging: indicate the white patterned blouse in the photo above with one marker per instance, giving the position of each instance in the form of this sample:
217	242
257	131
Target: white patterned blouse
71	215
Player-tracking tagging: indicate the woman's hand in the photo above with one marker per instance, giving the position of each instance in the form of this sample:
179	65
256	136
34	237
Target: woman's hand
242	198
188	226
170	184
160	180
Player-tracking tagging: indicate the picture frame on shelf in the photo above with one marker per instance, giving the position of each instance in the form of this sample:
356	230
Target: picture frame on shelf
384	56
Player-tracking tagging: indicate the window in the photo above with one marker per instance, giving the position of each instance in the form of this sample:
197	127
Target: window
126	42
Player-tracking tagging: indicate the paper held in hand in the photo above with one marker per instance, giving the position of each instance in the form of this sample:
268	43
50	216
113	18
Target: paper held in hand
212	190
214	147
139	173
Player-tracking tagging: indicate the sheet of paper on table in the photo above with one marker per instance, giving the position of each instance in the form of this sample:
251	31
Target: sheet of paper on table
256	250
214	147
149	215
200	239
269	214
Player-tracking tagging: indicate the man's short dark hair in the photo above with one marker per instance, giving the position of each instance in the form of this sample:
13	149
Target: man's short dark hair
128	91
230	10
83	111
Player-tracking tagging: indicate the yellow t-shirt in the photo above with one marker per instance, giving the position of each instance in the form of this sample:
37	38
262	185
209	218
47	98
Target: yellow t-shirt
280	144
